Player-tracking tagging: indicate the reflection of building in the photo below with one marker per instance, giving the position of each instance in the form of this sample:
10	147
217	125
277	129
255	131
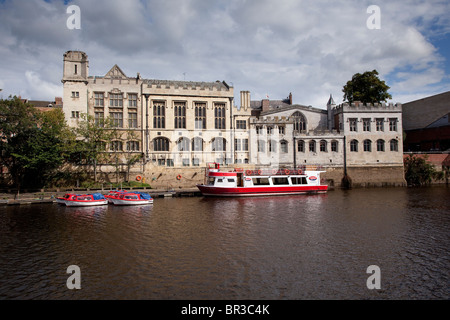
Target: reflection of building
427	123
183	125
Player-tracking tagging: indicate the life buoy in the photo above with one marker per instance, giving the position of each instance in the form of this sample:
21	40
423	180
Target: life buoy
248	172
286	171
274	171
259	172
138	178
179	177
300	171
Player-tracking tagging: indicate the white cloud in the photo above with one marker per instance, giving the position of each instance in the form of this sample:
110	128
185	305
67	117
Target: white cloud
309	48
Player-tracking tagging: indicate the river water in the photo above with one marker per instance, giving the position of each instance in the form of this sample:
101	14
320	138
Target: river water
290	247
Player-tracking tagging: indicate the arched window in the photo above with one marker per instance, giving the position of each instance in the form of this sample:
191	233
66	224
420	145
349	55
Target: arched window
197	144
394	145
367	145
133	146
323	146
312	146
218	144
161	144
116	145
301	146
354	145
299	122
380	145
334	146
183	144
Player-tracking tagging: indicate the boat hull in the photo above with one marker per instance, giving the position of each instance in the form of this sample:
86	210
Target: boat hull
122	202
259	191
80	203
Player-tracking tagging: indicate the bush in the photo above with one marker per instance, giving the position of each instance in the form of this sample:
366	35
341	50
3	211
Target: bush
419	172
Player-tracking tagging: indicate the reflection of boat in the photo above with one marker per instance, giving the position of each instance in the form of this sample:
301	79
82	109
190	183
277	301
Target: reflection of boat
132	198
82	200
261	182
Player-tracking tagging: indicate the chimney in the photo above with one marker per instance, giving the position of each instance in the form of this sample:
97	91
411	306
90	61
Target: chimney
58	101
290	98
265	105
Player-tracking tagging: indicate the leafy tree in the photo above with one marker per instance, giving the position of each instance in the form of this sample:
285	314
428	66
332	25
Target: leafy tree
367	88
32	142
419	172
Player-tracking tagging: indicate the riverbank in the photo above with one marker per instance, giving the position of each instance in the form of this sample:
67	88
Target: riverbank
50	197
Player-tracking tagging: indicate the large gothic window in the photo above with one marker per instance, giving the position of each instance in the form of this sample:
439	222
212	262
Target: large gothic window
299	122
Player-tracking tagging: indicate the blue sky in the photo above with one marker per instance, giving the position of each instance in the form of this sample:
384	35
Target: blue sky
310	48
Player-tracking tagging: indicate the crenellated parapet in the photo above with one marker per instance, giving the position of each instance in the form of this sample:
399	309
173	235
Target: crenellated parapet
367	107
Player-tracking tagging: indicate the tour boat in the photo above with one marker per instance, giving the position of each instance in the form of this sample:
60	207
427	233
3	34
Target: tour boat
132	198
82	200
261	182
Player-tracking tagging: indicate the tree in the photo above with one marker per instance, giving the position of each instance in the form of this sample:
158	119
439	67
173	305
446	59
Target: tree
367	88
419	172
31	142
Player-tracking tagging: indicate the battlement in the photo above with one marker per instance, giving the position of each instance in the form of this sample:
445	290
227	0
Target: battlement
187	85
367	107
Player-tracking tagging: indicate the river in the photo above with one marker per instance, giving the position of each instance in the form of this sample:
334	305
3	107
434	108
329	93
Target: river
289	247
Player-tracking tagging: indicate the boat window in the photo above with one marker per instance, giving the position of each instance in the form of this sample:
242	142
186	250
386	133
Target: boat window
230	180
261	181
211	180
278	181
219	180
299	180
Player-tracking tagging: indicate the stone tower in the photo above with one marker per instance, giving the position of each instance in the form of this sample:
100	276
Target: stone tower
75	80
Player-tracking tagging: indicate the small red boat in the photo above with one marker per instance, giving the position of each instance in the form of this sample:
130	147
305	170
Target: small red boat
114	194
261	182
132	199
82	200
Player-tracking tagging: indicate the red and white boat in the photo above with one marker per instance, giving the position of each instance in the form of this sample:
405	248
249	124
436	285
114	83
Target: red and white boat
114	194
261	182
132	199
82	200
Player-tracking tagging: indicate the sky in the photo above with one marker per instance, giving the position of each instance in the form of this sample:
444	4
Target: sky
309	48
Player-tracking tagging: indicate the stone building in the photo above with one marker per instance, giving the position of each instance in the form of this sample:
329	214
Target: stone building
179	126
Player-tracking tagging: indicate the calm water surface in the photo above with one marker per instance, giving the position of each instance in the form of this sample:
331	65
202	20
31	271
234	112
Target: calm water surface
293	247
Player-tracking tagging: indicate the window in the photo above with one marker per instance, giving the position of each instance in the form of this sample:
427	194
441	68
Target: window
354	146
301	146
323	146
281	130
117	119
116	100
241	124
185	162
261	181
312	146
219	116
197	144
237	144
195	162
75	114
76	69
261	146
272	146
161	144
99	99
132	100
180	115
183	144
334	146
218	144
298	180
366	124
380	124
116	146
75	94
280	180
258	130
269	130
132	120
393	124
353	124
99	118
367	145
380	145
244	144
159	115
284	146
299	122
394	145
170	163
200	115
133	146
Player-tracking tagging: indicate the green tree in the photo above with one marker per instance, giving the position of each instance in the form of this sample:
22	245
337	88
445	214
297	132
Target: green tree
367	88
31	142
419	172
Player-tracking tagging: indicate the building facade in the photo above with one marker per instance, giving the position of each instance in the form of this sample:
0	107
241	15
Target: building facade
179	126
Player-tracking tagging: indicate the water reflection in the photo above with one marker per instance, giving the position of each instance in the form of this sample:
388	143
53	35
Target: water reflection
293	247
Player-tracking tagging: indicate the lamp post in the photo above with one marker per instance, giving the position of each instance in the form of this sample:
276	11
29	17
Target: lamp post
146	95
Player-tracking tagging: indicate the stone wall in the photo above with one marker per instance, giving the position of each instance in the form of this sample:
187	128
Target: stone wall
366	176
